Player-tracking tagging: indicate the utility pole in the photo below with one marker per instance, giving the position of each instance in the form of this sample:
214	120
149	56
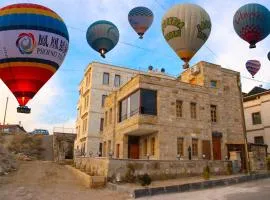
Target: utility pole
5	112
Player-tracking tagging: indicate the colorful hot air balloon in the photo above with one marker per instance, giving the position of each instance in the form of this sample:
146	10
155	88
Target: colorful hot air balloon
252	23
102	36
253	66
140	18
34	42
186	27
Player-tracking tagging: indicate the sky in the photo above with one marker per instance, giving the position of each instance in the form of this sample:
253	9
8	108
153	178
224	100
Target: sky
55	104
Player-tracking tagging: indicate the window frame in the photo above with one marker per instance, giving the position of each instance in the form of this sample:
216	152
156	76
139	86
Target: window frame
153	146
179	108
215	84
213	112
193	110
195	151
101	125
117	83
180	151
103	98
259	138
254	119
104	81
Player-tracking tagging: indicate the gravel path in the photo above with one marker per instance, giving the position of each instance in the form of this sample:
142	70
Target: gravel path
43	180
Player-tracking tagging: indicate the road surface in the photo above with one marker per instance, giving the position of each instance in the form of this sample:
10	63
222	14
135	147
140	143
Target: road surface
255	190
45	180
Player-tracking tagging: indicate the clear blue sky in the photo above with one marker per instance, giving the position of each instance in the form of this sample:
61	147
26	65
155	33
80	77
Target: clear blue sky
55	104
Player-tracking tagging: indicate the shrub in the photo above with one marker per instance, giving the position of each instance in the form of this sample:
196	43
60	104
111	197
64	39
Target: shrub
268	163
144	180
229	168
206	173
129	176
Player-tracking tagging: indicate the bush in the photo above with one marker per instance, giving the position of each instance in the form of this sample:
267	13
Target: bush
129	176
206	173
144	180
229	168
268	163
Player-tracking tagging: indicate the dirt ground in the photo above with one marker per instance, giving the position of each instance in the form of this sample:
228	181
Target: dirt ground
45	180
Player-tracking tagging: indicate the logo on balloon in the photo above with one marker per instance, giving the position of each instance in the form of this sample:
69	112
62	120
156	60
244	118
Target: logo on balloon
26	43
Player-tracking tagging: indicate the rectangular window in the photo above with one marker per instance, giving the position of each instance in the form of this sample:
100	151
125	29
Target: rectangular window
101	124
134	103
123	110
103	100
110	116
193	113
117	80
180	146
109	146
106	78
153	145
213	113
179	108
148	102
213	84
145	147
117	150
259	140
105	118
256	118
104	149
194	147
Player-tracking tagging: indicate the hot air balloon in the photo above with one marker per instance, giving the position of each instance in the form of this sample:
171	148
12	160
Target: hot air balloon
140	18
253	66
186	27
252	23
34	41
102	36
268	55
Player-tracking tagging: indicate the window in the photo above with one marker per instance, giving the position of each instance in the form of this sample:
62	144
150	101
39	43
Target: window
103	100
117	80
193	110
145	147
256	118
110	116
109	146
106	78
106	118
84	125
153	141
101	124
148	102
179	108
180	146
117	150
131	105
259	140
213	84
194	147
213	113
104	149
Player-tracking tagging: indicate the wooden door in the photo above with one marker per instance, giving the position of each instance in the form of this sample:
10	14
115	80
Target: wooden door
206	149
134	151
216	148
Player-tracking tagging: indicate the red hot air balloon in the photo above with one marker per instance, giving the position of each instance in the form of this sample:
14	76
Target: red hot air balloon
34	42
253	66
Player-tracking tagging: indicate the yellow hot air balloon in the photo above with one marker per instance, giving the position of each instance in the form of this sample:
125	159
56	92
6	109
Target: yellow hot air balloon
186	27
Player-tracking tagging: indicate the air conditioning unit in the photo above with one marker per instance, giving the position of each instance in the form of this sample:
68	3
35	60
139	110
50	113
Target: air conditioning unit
195	70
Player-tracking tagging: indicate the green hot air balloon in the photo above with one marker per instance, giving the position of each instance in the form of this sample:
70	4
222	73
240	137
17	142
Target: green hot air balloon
186	27
102	36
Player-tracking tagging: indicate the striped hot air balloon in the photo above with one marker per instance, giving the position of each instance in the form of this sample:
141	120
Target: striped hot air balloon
102	36
140	18
253	66
252	23
33	44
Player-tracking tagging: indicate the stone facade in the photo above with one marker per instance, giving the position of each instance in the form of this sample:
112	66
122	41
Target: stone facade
204	85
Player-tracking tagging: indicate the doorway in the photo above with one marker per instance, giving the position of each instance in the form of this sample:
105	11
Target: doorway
133	147
216	148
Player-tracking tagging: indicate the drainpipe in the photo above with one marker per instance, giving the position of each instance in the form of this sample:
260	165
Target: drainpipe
243	124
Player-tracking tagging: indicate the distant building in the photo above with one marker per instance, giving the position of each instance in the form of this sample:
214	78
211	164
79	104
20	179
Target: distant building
197	115
12	128
257	115
98	82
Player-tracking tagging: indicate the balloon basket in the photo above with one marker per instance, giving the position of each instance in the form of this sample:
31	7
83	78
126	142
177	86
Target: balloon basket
23	109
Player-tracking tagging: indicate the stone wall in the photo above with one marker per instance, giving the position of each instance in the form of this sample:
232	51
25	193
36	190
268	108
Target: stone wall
157	169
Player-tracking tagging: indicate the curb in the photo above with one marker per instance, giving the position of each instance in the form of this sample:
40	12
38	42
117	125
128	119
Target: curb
137	193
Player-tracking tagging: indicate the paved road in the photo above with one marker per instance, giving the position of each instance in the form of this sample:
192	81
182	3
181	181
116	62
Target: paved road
39	180
256	190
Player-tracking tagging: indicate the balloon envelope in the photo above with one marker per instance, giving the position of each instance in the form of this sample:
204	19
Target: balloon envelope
268	55
102	36
140	18
252	23
253	66
34	42
186	27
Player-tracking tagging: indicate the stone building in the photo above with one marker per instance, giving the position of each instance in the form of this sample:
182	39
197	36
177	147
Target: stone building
98	82
257	116
196	115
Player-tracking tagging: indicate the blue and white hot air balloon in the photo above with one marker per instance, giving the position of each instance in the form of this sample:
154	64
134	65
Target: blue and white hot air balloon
140	18
253	66
252	23
102	36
